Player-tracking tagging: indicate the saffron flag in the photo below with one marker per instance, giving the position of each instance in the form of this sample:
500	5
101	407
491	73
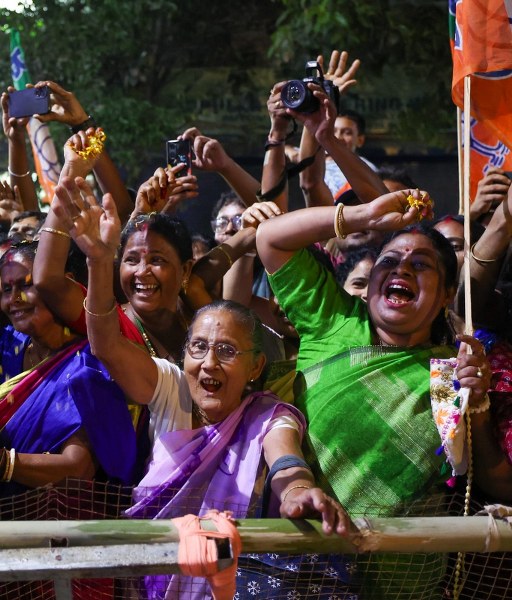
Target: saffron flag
43	149
481	42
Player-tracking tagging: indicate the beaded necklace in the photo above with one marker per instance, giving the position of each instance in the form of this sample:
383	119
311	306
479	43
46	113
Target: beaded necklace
145	337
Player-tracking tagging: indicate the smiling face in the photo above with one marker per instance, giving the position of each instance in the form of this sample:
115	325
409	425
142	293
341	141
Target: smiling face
217	387
454	233
407	290
356	283
20	300
151	273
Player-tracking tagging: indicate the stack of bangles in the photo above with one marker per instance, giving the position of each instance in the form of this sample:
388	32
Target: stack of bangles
7	464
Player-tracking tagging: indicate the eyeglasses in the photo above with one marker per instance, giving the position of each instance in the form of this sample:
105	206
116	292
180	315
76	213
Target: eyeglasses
225	353
222	223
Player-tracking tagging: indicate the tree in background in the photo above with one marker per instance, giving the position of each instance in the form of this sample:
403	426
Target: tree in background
146	69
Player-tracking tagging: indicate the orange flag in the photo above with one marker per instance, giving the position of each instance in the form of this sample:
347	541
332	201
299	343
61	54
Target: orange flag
481	41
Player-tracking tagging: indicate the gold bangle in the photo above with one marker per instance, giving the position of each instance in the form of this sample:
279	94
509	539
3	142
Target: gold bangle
10	470
339	222
57	231
295	487
98	314
18	174
226	254
480	260
482	407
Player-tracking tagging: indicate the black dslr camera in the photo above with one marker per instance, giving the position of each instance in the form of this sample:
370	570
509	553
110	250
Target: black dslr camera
297	96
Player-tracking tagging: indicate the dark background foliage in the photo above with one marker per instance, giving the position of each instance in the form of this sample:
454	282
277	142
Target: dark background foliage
146	69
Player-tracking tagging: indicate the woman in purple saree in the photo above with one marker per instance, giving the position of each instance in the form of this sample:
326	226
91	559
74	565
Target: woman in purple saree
212	440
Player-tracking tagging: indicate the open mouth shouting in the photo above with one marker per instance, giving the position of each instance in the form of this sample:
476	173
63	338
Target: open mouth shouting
210	385
398	294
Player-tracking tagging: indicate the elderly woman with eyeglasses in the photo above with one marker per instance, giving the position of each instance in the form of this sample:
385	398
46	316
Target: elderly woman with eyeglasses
212	439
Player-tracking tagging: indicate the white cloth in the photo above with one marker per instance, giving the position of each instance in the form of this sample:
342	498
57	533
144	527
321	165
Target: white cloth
171	405
334	176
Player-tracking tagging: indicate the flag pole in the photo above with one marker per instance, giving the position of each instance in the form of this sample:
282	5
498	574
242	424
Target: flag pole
460	154
465	194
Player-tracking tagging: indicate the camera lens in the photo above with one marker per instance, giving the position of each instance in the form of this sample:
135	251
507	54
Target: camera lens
293	94
297	96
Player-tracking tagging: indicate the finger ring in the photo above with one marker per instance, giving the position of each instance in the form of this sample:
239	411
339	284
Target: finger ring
277	103
479	373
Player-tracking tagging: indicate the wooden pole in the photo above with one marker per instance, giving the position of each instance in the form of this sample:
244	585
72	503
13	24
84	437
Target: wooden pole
467	222
460	169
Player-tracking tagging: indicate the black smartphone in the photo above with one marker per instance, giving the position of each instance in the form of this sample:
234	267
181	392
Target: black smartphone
508	174
180	151
32	101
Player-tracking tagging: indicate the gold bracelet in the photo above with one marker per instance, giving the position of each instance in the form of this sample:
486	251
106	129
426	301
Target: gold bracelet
339	222
482	407
5	457
18	174
98	314
226	254
480	260
295	487
12	458
57	231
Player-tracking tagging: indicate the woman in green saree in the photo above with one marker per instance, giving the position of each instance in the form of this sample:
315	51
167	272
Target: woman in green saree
364	369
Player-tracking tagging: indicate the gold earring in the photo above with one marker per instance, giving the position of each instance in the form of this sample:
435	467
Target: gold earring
184	285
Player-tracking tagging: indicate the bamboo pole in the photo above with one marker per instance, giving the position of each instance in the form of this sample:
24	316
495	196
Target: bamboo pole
459	161
411	534
467	224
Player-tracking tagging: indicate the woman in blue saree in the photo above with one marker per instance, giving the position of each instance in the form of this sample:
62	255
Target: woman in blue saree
52	392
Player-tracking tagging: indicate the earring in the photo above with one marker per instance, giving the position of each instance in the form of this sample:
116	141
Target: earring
184	285
446	312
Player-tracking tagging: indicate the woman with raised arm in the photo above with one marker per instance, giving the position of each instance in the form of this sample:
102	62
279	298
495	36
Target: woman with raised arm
206	402
365	367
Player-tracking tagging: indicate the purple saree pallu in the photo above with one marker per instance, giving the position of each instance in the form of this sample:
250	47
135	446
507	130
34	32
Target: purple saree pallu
216	466
70	391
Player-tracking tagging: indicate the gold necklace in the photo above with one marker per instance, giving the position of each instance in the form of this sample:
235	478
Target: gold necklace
34	357
200	415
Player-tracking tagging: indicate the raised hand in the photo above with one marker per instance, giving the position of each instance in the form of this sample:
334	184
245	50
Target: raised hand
491	191
14	129
259	212
393	211
76	145
65	106
209	152
342	79
163	192
11	204
96	229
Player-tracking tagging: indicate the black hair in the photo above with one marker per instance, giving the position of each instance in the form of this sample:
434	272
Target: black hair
24	248
26	214
209	242
441	330
398	175
353	115
353	258
243	315
225	199
476	229
173	230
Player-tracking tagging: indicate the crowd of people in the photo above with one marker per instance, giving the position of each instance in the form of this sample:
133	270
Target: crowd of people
281	366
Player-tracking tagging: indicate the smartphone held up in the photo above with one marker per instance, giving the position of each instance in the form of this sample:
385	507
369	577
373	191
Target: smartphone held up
180	151
28	102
